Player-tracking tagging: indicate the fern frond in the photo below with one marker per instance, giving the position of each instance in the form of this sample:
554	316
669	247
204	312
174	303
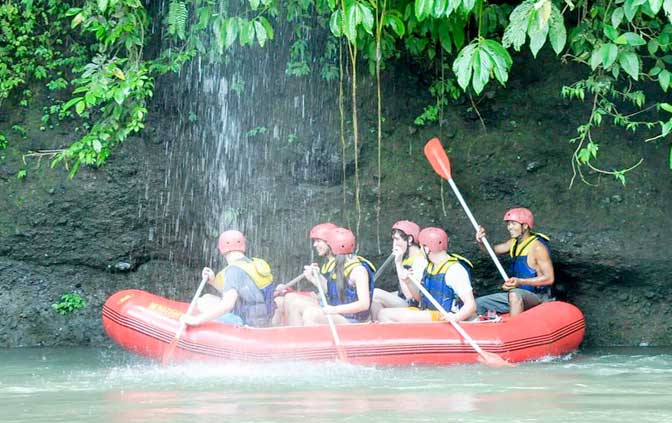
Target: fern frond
177	18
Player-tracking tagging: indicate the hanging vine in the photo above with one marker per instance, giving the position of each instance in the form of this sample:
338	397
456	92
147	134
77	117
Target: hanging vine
380	19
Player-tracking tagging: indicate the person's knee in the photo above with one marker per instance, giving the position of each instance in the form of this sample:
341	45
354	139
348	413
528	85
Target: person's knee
385	315
480	306
311	316
515	298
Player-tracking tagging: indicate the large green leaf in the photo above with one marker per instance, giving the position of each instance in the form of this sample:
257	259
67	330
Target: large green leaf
230	32
630	38
501	60
630	63
396	24
664	79
630	9
514	34
423	8
462	66
267	26
478	82
538	32
609	54
667	6
610	32
557	33
655	5
444	36
468	5
261	33
336	23
366	18
457	30
351	20
595	59
617	17
440	7
245	32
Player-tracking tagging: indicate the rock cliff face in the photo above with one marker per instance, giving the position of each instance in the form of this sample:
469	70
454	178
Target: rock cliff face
105	229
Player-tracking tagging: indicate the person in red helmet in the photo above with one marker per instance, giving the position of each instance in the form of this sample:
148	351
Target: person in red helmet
447	279
409	260
245	287
531	274
347	281
289	305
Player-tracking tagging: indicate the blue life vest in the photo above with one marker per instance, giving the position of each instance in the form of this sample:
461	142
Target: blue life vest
434	281
520	268
350	291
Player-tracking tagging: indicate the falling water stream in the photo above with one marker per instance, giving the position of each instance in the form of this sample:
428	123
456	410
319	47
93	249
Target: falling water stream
248	148
89	385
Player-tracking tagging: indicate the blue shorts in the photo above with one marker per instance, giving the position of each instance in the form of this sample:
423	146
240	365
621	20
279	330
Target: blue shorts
230	319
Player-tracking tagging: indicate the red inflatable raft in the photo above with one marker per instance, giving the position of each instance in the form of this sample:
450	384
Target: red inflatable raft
146	324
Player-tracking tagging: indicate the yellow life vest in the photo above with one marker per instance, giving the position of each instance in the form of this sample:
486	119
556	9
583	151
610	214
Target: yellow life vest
518	250
330	265
257	269
445	265
408	261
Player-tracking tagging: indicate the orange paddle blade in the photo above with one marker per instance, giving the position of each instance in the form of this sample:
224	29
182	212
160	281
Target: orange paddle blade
493	360
170	349
438	158
342	356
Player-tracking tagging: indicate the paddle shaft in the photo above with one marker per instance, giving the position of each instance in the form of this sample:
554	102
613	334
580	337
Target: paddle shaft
383	266
183	326
330	320
443	311
464	205
294	281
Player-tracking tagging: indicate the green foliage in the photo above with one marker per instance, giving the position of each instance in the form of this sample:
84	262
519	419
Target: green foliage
3	141
442	90
21	174
32	40
19	129
478	61
97	49
68	303
539	20
177	18
259	130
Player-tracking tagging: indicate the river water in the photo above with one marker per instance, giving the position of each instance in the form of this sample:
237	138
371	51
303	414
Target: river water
110	385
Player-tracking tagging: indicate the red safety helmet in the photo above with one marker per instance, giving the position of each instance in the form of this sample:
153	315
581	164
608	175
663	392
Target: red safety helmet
320	230
341	241
436	239
409	228
520	215
231	241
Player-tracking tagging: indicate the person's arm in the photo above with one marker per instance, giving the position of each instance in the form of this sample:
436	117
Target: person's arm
417	270
502	248
309	273
224	306
360	277
539	259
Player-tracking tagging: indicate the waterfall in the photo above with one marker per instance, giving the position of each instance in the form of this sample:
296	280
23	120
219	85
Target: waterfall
247	148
